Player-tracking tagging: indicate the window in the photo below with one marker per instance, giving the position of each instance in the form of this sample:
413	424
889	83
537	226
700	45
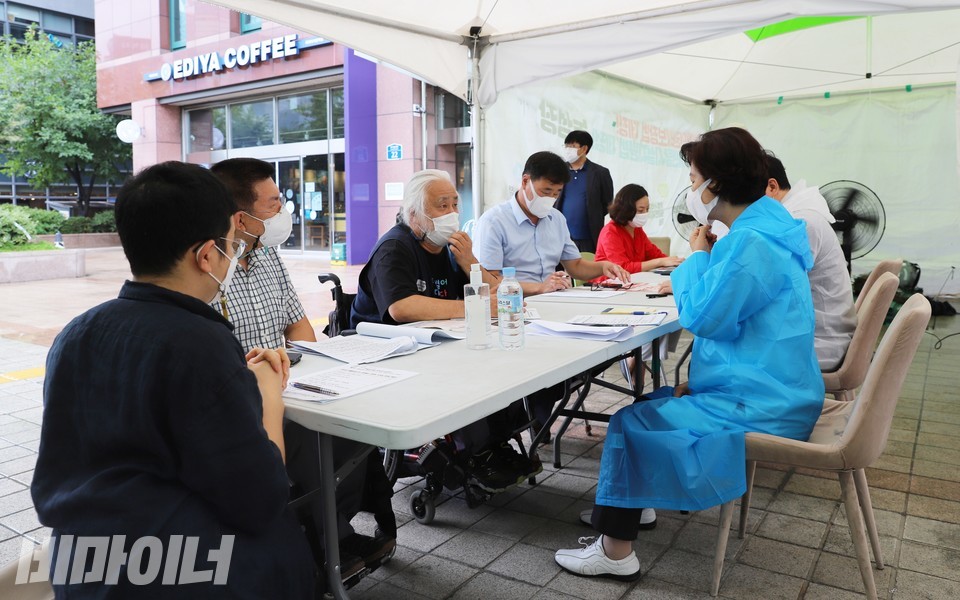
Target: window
20	18
451	111
249	23
178	24
251	124
58	24
336	98
303	118
83	28
208	128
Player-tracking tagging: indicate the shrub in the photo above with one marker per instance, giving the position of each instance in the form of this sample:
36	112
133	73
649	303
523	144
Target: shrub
10	234
77	225
35	220
104	222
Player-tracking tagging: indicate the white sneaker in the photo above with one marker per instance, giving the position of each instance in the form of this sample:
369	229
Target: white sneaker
591	561
648	518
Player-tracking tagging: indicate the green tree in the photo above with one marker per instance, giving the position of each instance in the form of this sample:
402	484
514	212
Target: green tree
50	125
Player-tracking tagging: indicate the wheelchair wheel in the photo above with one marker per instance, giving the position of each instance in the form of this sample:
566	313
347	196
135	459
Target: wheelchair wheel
391	463
422	506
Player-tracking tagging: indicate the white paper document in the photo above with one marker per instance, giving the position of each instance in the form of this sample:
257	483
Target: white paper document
375	341
580	292
342	382
357	349
424	336
608	320
583	332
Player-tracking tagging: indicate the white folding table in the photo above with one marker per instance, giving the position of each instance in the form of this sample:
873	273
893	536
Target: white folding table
455	386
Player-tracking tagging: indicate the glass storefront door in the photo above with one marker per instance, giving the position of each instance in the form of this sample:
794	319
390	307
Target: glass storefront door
289	182
316	200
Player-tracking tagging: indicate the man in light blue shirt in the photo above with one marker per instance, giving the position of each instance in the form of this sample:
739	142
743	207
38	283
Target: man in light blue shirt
527	233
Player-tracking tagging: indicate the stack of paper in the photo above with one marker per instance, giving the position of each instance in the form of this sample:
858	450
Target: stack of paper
609	320
376	341
583	332
340	382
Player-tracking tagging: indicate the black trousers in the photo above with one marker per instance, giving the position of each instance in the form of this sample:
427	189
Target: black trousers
365	488
616	522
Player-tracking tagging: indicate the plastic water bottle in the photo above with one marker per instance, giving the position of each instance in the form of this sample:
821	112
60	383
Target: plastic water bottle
510	310
476	301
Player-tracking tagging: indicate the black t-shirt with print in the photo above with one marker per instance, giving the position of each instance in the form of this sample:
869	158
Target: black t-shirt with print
399	267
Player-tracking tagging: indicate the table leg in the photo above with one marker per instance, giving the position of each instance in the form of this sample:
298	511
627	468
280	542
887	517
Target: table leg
328	500
655	362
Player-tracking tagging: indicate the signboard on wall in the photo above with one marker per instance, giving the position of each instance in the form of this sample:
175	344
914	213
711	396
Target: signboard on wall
261	51
394	152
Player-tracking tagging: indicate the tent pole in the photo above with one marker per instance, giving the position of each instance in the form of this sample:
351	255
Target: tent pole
476	131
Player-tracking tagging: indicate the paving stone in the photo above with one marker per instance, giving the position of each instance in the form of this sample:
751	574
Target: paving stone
474	548
922	506
888	523
526	563
487	586
840	542
701	538
807	507
932	532
432	576
541	502
424	538
816	591
684	568
918	586
588	588
509	524
932	560
749	583
779	557
384	591
814	486
568	484
844	572
649	588
793	530
936	470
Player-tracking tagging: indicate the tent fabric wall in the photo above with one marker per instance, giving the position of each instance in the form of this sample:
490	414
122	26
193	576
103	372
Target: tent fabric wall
901	145
637	134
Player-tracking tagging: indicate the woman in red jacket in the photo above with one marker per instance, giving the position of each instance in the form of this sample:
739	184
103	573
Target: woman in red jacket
622	240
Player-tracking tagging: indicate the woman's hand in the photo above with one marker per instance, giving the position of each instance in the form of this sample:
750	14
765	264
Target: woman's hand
702	239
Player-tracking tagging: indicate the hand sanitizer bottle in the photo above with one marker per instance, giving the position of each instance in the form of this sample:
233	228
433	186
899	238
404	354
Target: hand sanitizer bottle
476	301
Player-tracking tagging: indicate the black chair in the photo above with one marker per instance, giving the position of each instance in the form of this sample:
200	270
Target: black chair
338	321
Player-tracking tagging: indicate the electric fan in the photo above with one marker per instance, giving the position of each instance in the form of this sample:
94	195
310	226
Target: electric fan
860	217
683	221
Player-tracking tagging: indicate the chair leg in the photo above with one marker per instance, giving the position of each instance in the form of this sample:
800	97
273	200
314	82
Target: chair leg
857	533
747	495
726	517
866	506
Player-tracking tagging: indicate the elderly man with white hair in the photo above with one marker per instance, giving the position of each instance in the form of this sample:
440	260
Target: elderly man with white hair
418	268
417	272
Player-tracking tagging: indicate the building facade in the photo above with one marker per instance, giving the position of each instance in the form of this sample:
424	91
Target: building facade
204	83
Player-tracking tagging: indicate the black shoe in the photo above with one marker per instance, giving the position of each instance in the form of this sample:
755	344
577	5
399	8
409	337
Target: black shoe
522	465
371	550
350	564
490	473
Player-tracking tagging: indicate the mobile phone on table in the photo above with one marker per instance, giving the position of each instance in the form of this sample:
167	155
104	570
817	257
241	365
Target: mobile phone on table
294	357
656	295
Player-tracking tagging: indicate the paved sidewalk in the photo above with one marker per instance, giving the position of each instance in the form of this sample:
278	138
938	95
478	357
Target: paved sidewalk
797	547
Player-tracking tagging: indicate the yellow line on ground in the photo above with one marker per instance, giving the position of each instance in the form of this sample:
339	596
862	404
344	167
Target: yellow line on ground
20	375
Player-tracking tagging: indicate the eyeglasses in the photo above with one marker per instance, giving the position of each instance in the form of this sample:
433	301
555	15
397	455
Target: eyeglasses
607	285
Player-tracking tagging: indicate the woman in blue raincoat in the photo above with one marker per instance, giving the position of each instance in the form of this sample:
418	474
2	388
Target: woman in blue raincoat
753	368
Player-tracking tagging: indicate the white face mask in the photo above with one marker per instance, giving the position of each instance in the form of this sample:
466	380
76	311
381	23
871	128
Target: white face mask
639	219
695	205
225	283
443	227
539	206
569	155
276	229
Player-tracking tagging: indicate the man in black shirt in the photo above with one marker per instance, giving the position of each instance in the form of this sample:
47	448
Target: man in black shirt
158	431
416	272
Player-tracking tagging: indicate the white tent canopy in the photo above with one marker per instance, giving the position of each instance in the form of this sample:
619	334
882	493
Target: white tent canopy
701	52
902	145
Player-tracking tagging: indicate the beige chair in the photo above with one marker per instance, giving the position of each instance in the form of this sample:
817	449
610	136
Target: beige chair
847	438
847	378
663	243
11	590
884	266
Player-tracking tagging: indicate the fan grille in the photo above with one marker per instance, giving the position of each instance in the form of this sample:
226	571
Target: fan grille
861	219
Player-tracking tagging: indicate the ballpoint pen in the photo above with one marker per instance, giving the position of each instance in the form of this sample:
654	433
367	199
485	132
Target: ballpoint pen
313	388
